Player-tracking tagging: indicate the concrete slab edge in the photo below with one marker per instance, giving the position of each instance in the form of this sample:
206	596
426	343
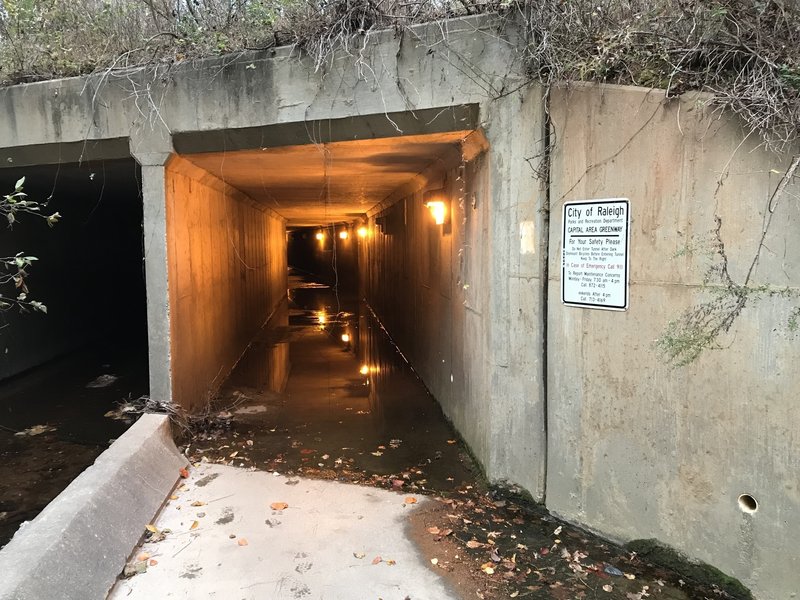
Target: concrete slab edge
79	543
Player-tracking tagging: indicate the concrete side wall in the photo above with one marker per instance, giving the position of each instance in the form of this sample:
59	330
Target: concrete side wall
227	272
464	300
415	277
636	449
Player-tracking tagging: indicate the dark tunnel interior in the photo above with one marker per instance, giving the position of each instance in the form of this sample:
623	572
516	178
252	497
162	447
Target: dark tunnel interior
89	271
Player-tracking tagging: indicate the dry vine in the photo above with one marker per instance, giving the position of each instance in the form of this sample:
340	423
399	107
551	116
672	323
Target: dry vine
745	52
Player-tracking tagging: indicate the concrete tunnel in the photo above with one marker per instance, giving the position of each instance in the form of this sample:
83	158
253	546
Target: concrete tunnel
181	281
230	214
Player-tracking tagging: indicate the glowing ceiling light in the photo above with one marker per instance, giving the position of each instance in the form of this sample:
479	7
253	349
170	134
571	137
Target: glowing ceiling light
364	369
343	234
438	210
362	231
345	337
320	236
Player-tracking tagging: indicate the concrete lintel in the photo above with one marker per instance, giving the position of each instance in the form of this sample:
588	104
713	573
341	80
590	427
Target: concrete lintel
459	117
80	542
64	153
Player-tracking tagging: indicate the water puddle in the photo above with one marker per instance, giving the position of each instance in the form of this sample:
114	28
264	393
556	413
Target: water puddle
53	425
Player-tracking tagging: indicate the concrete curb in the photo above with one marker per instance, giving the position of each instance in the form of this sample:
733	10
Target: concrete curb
79	543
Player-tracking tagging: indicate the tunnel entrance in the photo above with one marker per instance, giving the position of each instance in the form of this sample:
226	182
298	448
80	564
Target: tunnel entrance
61	373
322	389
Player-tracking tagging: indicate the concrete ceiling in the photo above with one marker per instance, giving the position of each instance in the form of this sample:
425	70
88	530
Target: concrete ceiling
328	183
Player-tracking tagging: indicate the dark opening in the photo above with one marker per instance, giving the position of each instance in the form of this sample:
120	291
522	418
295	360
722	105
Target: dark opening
62	372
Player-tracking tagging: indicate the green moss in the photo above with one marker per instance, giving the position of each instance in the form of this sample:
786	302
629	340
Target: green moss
655	552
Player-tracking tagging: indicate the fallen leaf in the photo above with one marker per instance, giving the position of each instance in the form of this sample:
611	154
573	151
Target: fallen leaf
608	588
434	561
242	542
279	506
434	530
474	544
184	473
558	530
153	562
151	528
198	503
376	560
376	453
174	497
143	556
451	442
233	454
194	525
359	555
410	500
488	568
630	576
391	562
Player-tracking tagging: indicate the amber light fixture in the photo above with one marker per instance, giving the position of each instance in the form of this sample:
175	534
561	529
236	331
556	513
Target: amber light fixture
345	337
438	210
436	202
362	232
320	236
343	234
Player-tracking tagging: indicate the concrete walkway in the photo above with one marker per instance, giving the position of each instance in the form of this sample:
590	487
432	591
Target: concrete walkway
333	541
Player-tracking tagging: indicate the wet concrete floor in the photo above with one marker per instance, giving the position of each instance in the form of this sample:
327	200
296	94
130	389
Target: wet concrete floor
306	401
52	424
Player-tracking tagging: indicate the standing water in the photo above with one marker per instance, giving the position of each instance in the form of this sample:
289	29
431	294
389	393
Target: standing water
323	392
53	425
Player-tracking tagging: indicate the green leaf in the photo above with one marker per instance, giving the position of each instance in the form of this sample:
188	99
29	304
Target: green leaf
19	184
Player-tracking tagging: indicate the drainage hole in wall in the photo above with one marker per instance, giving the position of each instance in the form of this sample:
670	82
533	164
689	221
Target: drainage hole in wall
747	503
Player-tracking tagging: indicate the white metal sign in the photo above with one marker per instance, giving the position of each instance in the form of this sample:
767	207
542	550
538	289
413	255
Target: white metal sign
594	254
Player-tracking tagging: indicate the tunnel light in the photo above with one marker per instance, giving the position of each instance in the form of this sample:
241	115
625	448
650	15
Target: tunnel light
345	337
343	234
364	370
362	232
438	210
320	236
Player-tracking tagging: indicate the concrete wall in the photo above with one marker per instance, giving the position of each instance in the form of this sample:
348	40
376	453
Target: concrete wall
637	449
464	300
227	272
